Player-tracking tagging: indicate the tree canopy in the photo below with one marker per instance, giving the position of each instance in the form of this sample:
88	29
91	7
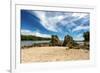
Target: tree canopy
86	36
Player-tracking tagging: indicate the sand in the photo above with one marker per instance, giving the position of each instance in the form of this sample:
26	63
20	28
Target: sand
48	54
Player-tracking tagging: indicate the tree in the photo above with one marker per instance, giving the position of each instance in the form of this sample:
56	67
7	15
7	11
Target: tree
86	36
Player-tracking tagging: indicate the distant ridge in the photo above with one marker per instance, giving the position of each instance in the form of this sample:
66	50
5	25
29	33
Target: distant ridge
34	38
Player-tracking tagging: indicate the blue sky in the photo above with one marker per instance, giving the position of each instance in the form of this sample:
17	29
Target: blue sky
47	23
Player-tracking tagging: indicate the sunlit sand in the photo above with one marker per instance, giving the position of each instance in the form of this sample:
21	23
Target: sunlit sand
49	54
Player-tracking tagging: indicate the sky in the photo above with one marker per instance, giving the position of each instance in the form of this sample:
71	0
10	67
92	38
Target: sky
47	23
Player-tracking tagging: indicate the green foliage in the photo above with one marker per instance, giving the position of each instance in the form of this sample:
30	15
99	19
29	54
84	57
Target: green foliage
86	36
34	38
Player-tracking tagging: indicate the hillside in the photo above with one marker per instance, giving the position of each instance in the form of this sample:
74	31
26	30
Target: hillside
31	37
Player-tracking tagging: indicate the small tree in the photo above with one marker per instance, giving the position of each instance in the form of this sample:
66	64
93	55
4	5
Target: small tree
86	36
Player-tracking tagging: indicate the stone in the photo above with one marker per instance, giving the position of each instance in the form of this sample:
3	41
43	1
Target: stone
68	41
55	41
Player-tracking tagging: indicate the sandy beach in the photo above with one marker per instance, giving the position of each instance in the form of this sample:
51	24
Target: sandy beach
48	54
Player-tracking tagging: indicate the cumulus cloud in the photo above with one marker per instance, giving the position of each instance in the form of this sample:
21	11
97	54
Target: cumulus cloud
36	33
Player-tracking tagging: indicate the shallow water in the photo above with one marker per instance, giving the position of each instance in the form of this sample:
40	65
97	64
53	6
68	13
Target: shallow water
29	43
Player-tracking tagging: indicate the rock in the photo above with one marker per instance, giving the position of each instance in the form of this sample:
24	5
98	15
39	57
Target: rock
86	45
68	41
55	41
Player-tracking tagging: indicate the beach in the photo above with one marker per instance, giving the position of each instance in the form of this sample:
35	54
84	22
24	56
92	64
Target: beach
52	53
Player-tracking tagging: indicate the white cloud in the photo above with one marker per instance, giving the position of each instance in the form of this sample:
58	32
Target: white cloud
47	22
36	33
73	17
78	38
26	32
80	28
79	15
41	35
50	20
